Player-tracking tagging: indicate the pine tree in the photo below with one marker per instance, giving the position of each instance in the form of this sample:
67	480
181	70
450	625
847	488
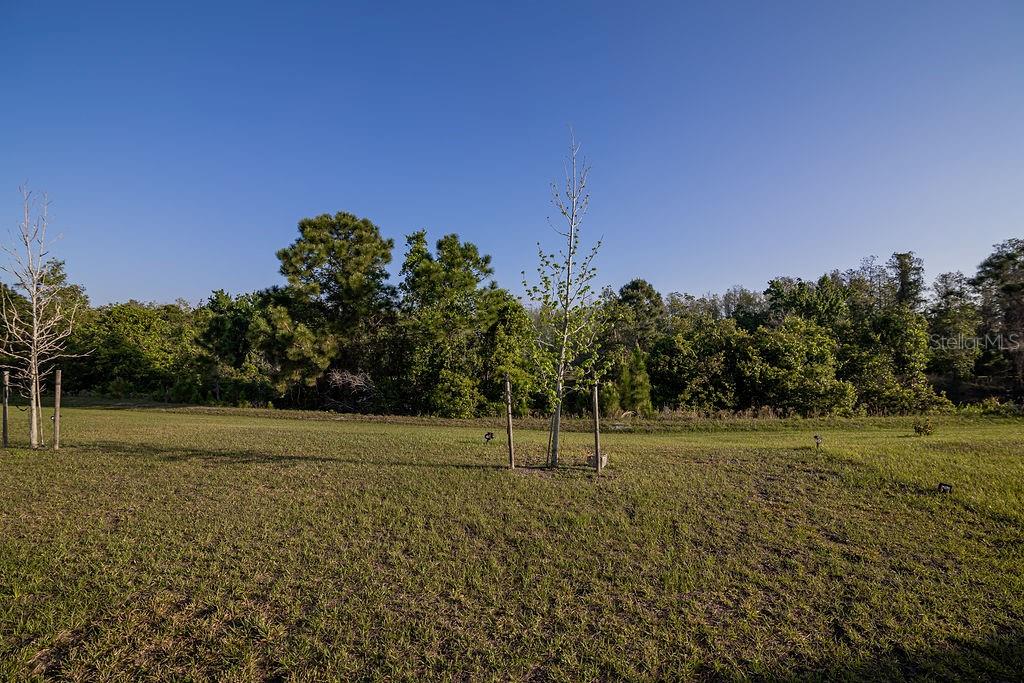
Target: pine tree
636	385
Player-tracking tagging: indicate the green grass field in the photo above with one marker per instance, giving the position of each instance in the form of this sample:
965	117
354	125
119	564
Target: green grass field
192	545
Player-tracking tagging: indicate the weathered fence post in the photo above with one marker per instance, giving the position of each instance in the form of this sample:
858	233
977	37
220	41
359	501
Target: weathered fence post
7	393
597	432
551	433
56	410
508	424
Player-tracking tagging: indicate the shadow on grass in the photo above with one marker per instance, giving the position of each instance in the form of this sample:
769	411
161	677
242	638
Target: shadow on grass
94	403
254	457
998	658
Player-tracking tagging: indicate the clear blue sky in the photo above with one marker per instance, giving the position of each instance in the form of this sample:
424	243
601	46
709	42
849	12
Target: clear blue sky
730	141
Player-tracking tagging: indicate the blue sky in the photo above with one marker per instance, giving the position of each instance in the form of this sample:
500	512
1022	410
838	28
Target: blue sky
730	141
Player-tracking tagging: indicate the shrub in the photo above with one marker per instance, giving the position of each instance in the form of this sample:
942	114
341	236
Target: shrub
924	427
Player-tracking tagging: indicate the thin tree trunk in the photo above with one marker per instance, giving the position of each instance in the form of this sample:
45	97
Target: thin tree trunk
556	420
556	424
34	365
39	411
33	433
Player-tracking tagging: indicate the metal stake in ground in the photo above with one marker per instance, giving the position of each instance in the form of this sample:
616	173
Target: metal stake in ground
508	424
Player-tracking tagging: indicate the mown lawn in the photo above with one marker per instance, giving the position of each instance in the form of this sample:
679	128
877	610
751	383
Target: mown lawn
200	546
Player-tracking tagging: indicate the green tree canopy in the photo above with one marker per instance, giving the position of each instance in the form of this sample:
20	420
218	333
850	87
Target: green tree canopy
340	261
792	368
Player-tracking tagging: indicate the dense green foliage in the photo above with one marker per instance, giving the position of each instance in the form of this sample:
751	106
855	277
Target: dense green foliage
197	545
339	335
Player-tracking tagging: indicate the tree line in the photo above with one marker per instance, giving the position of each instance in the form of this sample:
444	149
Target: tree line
340	335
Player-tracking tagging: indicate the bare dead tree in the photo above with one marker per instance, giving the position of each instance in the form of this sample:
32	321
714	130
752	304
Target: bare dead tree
357	387
37	318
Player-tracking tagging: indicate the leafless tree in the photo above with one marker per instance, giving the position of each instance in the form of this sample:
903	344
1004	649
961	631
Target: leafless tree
37	315
357	388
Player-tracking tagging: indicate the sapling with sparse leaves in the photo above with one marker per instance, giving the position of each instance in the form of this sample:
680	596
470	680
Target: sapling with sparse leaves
568	321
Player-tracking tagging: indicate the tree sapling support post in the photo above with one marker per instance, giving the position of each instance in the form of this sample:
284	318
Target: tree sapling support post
508	424
551	432
56	410
7	394
597	432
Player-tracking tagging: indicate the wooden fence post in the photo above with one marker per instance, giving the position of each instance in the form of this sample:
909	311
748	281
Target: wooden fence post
551	433
508	424
7	394
597	432
56	411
